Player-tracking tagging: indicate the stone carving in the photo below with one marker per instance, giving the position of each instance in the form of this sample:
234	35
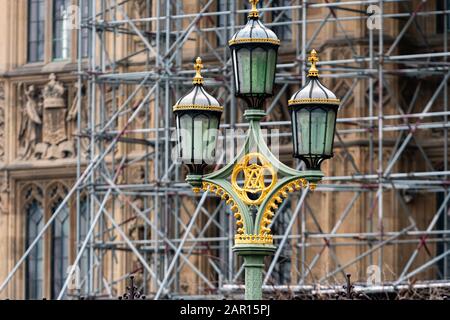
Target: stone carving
138	174
72	116
2	122
4	202
110	104
4	195
141	117
137	230
43	123
139	8
31	123
55	192
55	141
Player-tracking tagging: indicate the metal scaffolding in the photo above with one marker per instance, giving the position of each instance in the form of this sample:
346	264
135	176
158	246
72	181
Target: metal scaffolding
178	234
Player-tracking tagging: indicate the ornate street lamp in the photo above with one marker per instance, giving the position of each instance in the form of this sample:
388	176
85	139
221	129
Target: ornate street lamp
313	114
254	51
197	117
255	182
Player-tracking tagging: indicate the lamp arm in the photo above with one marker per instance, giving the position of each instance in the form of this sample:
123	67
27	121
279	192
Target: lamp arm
223	189
258	137
276	196
292	180
225	172
216	182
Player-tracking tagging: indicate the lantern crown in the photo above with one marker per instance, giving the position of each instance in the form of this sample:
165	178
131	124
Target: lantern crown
314	91
254	14
197	118
313	116
198	79
254	53
254	31
198	98
313	58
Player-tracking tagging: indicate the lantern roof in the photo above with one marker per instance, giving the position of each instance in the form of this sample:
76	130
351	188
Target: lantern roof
198	98
314	91
254	31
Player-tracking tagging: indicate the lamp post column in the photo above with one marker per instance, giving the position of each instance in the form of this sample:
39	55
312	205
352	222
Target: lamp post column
254	265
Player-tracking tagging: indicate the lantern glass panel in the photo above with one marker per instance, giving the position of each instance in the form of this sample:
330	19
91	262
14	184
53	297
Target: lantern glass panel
244	66
302	116
179	134
294	131
271	66
318	128
259	70
201	124
235	69
185	138
211	140
330	132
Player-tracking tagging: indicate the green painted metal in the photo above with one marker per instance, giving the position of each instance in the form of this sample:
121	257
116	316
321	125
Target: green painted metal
254	254
254	265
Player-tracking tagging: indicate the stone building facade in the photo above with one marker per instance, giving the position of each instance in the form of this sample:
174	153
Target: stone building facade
38	126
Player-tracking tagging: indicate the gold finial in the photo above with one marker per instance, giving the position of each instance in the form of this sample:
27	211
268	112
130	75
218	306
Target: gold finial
254	12
198	79
313	58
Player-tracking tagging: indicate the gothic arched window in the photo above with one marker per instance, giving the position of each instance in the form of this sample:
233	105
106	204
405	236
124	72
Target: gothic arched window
84	228
34	264
59	239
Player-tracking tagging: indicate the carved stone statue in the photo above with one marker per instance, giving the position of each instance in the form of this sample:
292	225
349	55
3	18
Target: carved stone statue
30	124
72	115
54	130
139	8
73	111
4	195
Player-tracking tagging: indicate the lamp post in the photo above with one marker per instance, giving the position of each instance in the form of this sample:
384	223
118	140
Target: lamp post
255	182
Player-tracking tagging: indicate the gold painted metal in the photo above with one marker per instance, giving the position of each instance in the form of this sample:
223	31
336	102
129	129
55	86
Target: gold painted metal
254	12
314	100
219	191
198	79
254	40
253	239
276	200
313	58
255	167
197	107
196	189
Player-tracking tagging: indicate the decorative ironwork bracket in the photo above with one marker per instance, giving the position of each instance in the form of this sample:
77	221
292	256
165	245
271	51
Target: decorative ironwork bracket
255	180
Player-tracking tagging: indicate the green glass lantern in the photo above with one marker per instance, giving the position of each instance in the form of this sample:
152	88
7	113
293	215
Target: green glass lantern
313	112
254	52
197	122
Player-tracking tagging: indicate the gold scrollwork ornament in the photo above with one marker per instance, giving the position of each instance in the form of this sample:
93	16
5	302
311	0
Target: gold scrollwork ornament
255	168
